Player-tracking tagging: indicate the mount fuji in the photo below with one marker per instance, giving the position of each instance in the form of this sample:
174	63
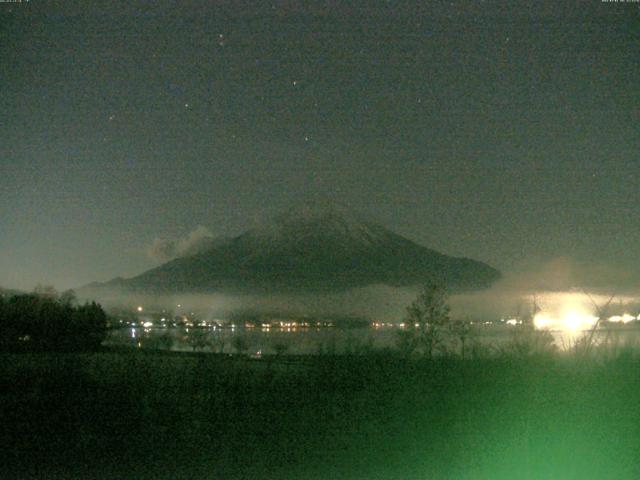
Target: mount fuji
316	246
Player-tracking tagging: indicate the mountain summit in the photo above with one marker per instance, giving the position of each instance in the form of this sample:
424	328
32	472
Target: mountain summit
315	246
320	222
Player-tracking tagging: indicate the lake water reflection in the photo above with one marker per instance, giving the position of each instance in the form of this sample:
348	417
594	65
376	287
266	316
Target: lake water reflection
314	341
307	341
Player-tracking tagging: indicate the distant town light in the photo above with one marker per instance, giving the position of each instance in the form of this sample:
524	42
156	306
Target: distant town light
626	318
140	308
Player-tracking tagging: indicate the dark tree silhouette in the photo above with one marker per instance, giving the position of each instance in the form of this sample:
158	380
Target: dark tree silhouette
427	320
44	322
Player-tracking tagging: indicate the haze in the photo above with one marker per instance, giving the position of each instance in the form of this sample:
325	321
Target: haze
504	133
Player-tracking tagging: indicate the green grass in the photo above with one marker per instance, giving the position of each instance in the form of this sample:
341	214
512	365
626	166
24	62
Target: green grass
150	415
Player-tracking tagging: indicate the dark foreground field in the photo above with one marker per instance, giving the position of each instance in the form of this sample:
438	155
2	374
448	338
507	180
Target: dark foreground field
145	415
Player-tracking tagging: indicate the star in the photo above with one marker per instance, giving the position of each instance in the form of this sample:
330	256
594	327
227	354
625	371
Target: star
112	117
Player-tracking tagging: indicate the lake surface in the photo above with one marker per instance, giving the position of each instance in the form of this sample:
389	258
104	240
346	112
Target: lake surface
314	341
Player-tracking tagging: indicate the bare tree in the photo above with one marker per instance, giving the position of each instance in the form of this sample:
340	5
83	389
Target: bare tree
163	341
198	338
218	341
587	341
526	340
427	319
461	330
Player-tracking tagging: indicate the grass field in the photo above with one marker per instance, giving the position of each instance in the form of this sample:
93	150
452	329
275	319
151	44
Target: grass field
151	415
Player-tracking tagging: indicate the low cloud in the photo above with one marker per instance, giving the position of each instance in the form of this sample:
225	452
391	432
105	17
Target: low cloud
564	273
163	250
553	283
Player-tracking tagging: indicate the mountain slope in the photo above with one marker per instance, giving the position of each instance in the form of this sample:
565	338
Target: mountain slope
312	247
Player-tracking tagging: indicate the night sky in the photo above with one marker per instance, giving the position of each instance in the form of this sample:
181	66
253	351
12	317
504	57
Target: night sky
508	132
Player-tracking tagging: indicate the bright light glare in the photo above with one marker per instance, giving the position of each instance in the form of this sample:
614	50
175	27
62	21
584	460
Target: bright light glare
572	320
542	322
572	312
576	321
568	311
